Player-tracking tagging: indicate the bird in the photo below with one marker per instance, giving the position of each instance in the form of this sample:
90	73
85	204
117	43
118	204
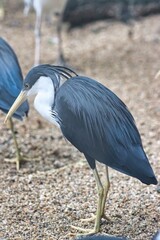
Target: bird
156	236
101	237
107	237
11	81
41	6
93	119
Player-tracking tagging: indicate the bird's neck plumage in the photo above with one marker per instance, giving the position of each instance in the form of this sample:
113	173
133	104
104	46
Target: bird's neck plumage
45	96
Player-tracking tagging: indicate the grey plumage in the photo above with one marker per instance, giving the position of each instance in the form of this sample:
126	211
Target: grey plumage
98	123
101	237
156	236
11	80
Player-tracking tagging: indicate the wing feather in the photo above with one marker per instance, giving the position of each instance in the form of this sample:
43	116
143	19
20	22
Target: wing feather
11	80
99	124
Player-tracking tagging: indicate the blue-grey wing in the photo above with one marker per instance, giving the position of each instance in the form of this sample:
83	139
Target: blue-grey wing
102	237
98	124
11	80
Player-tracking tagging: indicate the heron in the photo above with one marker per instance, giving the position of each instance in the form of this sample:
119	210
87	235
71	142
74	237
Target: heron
40	6
11	81
157	236
93	119
101	237
106	237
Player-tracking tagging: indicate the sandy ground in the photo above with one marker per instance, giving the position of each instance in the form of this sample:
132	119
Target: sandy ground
40	201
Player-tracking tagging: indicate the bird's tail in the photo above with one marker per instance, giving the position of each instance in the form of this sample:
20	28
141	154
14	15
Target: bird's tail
140	167
135	164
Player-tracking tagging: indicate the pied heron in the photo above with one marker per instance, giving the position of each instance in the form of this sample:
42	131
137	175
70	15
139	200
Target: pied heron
93	119
11	81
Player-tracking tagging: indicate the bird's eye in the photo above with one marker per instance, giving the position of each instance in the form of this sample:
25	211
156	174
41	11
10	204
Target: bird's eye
26	85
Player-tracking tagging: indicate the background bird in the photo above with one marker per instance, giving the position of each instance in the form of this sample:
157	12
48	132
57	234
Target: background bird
11	81
105	237
101	237
48	6
157	236
93	119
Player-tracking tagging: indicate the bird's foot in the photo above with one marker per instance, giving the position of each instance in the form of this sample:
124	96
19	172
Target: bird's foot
85	231
29	159
104	216
14	160
10	160
93	217
19	159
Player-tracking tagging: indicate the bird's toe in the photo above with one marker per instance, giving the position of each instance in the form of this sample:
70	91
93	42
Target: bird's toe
84	231
91	219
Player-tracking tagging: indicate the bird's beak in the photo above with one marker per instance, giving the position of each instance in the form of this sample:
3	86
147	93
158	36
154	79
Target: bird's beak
19	100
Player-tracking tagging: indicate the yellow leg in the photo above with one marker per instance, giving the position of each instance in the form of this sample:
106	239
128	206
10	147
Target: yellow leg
100	201
100	189
18	154
19	158
106	187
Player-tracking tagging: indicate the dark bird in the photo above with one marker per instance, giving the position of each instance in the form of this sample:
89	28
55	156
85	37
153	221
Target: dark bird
156	236
107	237
101	237
93	119
11	82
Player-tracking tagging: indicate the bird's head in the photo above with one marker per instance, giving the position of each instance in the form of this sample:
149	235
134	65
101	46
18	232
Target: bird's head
35	82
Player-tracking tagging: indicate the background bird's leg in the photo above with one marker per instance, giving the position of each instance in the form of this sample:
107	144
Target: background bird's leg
106	187
37	33
19	157
100	189
61	59
18	154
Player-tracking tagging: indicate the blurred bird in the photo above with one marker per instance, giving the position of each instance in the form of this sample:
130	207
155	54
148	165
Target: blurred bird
101	237
2	11
93	119
41	6
105	237
11	81
157	236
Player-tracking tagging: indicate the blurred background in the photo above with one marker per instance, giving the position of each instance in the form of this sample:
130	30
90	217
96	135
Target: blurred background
117	43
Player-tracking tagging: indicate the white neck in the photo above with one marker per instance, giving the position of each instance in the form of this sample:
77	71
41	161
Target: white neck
44	90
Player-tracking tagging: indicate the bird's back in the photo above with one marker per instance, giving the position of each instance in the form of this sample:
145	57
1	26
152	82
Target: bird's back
100	237
46	5
11	80
99	124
